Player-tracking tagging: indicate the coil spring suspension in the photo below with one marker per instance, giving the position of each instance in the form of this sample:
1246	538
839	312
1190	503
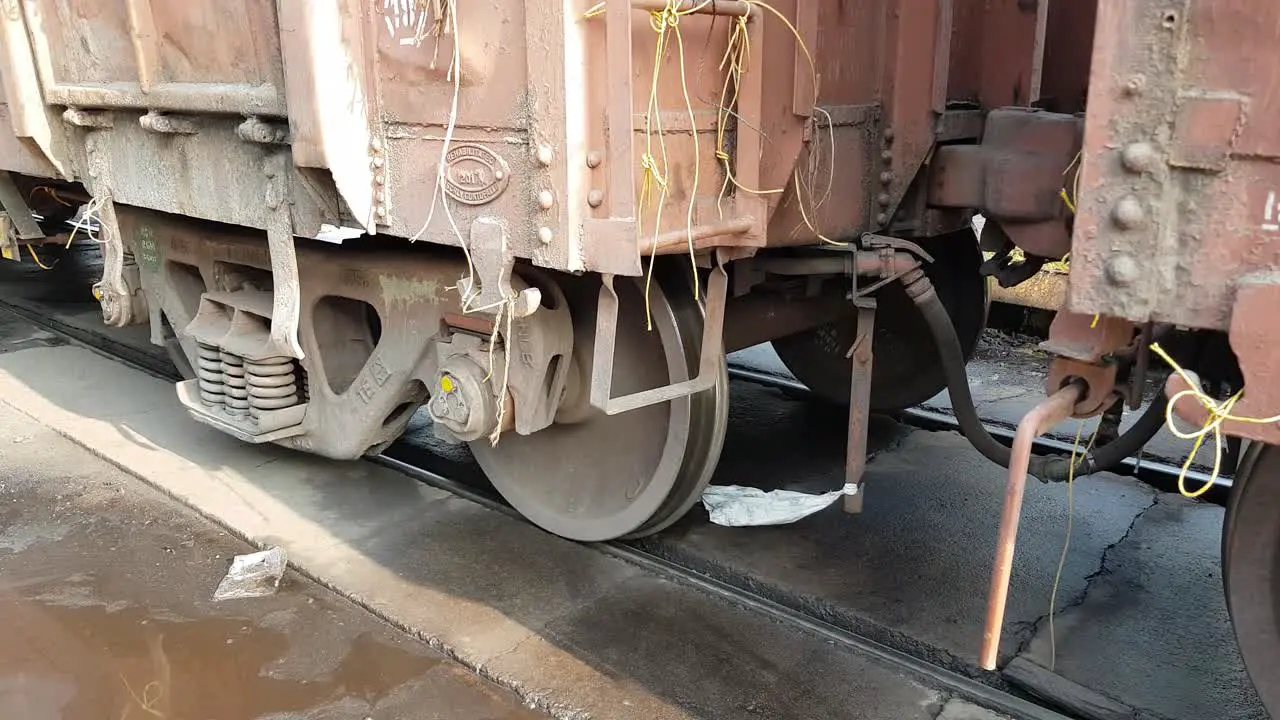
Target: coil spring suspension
234	384
209	374
273	384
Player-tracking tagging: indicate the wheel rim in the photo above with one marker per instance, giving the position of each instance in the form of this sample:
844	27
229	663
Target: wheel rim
706	436
610	476
1251	568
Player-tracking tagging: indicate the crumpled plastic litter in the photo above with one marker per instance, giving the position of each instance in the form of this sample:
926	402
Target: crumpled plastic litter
253	575
737	506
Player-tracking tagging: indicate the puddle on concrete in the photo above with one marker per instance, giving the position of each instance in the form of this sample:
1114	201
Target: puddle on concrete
89	663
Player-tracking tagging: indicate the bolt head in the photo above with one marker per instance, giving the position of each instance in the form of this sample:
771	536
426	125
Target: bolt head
887	155
886	178
545	235
545	155
888	135
546	199
595	198
884	199
594	159
1122	270
1128	213
882	218
1135	84
1139	157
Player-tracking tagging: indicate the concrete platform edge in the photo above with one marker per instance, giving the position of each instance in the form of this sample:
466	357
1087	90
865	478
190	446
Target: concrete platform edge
17	396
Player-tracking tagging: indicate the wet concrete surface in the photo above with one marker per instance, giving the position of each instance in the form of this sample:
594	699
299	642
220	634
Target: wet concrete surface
884	575
573	630
912	570
105	607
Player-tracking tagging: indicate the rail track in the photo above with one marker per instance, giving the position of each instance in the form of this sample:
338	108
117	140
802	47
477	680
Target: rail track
987	689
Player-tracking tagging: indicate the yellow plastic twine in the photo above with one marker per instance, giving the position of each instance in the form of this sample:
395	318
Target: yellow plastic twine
446	23
36	257
666	23
88	219
1069	199
1219	412
1066	543
655	168
735	62
51	192
449	25
507	309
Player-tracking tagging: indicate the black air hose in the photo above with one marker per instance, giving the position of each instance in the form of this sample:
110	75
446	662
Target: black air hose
1056	469
1048	469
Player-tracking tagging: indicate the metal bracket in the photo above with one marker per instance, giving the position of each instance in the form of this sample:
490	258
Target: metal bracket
112	291
607	336
872	241
79	117
493	259
19	214
286	308
167	124
861	356
256	130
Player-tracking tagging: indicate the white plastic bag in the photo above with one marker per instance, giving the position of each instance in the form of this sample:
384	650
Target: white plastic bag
253	575
737	506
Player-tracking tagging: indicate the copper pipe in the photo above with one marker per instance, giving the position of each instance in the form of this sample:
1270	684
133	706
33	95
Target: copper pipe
1051	411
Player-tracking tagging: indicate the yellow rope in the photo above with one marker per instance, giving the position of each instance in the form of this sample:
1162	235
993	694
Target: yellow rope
1069	199
454	75
737	56
506	308
50	192
446	23
697	162
1066	543
655	168
87	218
666	23
36	257
1219	412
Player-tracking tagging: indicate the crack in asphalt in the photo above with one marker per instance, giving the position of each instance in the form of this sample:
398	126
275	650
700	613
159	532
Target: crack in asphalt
1027	631
1017	393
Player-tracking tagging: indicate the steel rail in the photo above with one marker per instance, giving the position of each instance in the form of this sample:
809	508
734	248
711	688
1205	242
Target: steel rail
942	678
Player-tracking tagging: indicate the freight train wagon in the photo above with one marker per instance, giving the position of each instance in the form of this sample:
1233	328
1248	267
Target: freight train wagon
547	221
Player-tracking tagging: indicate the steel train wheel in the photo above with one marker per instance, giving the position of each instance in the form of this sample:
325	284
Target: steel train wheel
905	371
628	474
1251	568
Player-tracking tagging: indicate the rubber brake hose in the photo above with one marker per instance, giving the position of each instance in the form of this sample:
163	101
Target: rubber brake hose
1046	468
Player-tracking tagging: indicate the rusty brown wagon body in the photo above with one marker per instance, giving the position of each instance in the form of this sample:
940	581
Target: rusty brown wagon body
549	221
